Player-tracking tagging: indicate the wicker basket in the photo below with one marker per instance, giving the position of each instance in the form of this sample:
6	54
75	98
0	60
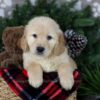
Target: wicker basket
7	94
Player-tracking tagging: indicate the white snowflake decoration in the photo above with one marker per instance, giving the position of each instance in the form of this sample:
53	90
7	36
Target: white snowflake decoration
68	0
4	4
33	2
89	0
8	2
78	5
96	9
2	13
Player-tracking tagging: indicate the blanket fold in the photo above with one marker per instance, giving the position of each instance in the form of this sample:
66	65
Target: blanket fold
17	80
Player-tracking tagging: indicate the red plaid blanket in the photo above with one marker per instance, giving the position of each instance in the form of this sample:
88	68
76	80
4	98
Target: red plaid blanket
17	80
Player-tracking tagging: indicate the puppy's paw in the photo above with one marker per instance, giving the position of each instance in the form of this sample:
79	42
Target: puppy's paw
35	82
67	82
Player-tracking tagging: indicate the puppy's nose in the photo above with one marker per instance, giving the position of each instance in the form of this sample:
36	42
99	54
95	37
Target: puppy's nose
40	49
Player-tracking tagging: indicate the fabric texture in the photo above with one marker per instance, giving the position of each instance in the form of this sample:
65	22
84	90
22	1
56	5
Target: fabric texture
17	80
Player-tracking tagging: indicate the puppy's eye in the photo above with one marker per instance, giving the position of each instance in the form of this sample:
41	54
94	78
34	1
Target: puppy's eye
49	37
34	35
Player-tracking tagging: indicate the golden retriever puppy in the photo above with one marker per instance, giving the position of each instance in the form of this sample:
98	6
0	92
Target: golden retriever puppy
44	49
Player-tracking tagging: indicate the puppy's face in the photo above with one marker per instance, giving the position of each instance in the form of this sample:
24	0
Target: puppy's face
42	37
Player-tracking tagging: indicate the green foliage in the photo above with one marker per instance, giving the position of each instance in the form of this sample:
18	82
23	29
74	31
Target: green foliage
91	82
84	22
81	21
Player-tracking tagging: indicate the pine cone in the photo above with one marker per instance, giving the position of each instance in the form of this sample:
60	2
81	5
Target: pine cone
76	42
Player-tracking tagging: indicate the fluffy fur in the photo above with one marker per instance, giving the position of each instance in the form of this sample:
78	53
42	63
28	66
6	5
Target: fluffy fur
12	53
45	32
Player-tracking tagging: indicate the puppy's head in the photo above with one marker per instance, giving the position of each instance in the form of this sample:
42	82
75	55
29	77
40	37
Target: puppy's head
43	37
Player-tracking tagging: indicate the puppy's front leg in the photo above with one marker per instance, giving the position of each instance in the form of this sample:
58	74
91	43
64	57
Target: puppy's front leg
65	73
35	74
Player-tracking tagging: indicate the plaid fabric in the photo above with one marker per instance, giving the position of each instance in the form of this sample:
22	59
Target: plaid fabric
17	80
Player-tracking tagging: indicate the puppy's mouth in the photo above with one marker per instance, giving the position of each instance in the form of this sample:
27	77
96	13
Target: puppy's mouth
40	54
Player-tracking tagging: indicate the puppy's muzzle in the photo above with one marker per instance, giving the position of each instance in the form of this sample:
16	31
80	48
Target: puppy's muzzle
40	50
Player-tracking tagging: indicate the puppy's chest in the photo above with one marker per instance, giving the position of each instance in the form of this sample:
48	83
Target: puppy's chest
49	65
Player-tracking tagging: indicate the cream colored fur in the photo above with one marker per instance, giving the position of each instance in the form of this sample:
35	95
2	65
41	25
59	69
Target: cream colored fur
55	57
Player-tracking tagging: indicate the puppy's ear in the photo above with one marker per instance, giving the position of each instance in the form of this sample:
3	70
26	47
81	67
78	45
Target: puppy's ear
23	43
60	46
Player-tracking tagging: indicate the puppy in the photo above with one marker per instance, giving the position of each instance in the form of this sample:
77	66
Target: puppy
44	49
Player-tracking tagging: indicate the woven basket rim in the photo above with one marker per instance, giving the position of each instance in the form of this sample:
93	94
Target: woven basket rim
6	93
